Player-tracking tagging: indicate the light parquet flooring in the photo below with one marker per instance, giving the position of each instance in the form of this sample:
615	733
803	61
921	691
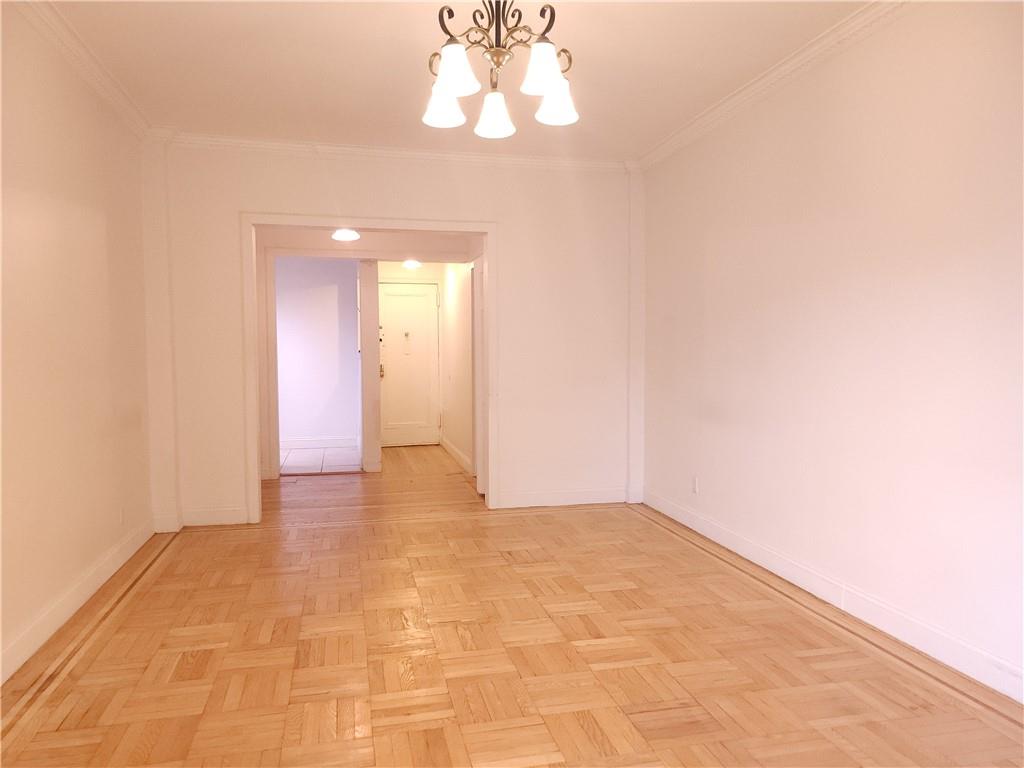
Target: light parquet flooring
392	620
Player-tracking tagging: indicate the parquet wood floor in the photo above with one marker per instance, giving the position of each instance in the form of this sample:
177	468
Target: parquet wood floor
392	620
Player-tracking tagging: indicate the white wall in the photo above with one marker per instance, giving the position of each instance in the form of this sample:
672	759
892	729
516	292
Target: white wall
75	493
317	352
834	333
561	258
457	363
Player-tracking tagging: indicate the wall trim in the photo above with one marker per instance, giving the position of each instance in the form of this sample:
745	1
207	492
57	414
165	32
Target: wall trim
52	617
851	29
53	26
611	495
309	148
319	442
229	515
997	673
460	457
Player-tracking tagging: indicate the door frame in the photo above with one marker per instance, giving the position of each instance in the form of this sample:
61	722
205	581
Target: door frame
260	354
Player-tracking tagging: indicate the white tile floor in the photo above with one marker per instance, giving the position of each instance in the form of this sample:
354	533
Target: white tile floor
308	461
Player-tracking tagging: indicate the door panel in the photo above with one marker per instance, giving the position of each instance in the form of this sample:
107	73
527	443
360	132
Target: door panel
410	381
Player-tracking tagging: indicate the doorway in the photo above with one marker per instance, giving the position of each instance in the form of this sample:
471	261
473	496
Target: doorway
384	242
318	365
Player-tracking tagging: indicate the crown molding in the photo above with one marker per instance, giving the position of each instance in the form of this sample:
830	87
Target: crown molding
307	149
52	25
851	29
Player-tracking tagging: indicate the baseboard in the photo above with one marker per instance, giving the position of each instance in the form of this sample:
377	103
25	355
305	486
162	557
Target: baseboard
460	457
319	442
510	499
51	617
997	673
215	515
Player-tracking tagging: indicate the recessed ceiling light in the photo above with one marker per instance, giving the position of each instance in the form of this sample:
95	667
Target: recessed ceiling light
411	264
345	235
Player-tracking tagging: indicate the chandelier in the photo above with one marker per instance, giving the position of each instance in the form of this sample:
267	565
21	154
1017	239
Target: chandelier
498	30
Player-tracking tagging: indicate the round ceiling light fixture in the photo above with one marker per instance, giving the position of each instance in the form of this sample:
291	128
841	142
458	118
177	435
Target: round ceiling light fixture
411	264
345	235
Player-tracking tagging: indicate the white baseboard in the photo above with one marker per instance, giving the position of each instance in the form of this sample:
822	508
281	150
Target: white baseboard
215	515
51	617
460	456
997	673
510	499
319	442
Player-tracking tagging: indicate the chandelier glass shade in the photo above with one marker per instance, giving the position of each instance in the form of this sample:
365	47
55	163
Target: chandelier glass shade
497	30
443	110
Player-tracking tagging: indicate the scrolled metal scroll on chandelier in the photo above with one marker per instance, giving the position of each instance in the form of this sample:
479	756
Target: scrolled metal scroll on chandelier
498	30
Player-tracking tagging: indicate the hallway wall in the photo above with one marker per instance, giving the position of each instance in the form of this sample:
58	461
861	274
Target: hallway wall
75	490
834	333
318	383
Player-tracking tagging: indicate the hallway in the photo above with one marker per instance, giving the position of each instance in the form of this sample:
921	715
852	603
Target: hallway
392	620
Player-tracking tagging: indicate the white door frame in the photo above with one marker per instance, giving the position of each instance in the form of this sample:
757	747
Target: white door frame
260	396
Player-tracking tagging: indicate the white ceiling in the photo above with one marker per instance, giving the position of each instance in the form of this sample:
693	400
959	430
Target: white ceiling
356	73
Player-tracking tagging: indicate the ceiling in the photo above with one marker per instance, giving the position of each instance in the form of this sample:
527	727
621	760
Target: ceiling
379	244
356	73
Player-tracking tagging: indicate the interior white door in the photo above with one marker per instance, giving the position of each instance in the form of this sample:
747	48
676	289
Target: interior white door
410	379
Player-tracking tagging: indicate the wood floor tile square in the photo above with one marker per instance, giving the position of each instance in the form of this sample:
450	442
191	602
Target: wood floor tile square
588	737
249	689
684	722
524	743
411	710
405	672
547	659
490	698
327	721
568	692
614	652
238	732
443	746
475	663
318	683
641	685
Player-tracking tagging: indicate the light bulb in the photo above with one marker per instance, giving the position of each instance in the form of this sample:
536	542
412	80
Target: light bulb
556	108
443	110
345	235
454	75
494	122
543	70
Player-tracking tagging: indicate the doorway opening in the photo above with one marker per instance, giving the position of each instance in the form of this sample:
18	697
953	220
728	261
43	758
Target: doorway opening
318	365
426	313
318	405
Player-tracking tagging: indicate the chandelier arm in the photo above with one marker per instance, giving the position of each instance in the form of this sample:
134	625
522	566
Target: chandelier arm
521	34
568	59
446	12
545	12
513	17
432	63
482	34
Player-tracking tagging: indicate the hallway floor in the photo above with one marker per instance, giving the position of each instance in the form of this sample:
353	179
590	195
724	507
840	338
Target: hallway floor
312	461
392	620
